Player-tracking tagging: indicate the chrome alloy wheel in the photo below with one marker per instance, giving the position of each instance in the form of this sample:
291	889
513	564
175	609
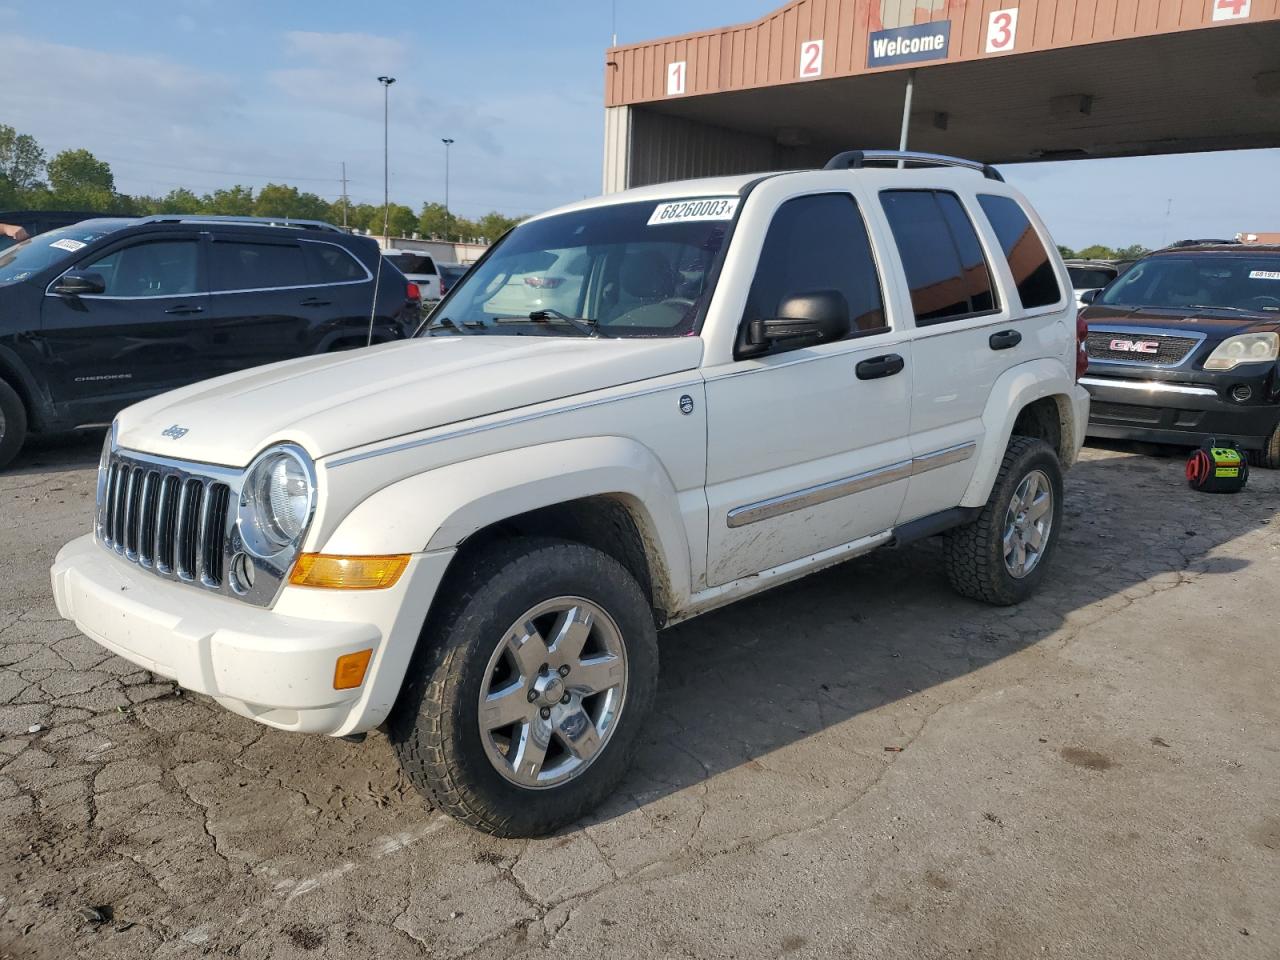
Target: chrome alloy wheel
552	692
1027	524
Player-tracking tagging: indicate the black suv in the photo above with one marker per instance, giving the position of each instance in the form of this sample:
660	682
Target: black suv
1183	347
99	315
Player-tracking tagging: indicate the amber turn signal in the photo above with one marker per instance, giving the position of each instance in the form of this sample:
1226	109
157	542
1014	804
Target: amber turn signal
349	671
347	573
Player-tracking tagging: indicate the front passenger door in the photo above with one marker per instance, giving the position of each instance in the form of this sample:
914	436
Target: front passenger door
808	447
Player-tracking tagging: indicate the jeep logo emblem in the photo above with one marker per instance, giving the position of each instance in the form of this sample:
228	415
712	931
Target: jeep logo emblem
175	432
1135	346
686	404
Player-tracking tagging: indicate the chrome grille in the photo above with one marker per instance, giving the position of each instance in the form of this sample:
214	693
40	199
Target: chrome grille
1169	352
166	518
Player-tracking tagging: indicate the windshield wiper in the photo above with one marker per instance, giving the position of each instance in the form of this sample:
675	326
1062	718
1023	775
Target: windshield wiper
1217	306
448	324
589	328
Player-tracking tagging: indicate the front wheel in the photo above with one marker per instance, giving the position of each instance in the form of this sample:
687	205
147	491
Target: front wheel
1269	456
528	687
13	424
1001	556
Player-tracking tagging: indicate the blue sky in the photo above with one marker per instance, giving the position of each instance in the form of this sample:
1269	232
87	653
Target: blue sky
206	93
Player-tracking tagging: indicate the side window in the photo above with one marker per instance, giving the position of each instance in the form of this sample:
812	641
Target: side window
327	263
943	260
160	268
818	243
1028	260
245	265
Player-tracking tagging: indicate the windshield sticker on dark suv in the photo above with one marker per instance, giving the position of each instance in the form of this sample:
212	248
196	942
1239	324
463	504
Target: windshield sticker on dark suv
1264	274
67	244
686	211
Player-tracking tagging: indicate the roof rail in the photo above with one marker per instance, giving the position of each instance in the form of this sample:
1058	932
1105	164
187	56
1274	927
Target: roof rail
246	221
857	159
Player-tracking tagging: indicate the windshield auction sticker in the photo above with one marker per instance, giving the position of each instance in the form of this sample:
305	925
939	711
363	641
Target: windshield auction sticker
67	244
687	211
1253	274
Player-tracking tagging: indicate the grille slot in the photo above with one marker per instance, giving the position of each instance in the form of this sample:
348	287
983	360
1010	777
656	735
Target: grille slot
1169	350
166	519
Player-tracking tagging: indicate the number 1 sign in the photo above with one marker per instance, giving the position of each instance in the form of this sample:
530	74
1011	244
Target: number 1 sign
675	78
1002	30
811	59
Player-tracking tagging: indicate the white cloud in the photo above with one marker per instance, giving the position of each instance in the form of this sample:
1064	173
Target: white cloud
351	50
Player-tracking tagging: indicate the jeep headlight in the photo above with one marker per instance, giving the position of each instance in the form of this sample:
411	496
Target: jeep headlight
1245	348
277	500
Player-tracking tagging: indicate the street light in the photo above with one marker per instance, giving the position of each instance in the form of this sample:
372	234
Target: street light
386	163
448	217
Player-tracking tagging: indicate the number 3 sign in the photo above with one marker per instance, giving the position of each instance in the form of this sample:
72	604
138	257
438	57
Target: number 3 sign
1002	30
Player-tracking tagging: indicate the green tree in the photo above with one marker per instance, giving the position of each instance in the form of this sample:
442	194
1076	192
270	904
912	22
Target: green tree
281	200
180	200
1132	252
494	224
234	201
1067	252
79	180
21	159
1096	252
401	221
433	221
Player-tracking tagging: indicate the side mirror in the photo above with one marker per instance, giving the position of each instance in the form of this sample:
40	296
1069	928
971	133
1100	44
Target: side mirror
75	284
1089	296
803	320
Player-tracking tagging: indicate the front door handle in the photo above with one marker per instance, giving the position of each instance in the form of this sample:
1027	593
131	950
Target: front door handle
315	302
878	367
184	308
1005	339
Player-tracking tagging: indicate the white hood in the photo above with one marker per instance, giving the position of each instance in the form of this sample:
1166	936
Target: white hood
338	401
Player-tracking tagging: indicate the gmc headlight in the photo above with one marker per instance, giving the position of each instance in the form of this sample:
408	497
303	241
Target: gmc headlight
277	500
1245	348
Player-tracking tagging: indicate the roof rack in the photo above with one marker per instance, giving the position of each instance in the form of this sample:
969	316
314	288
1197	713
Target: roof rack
246	221
857	159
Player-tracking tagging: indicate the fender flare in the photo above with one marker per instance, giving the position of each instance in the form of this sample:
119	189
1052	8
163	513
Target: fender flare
440	508
1015	389
13	369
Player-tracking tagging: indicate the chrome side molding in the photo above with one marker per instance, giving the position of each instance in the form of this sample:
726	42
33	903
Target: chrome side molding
835	489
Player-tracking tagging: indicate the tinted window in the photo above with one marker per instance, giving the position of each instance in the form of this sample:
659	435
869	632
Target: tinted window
1028	260
1090	278
243	265
945	268
164	268
414	263
818	243
329	264
1249	282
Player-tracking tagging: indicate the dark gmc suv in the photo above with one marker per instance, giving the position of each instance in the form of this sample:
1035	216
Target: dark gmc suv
99	315
1183	347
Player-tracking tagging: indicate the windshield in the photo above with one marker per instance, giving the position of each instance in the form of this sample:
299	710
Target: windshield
43	250
624	270
1225	281
1090	278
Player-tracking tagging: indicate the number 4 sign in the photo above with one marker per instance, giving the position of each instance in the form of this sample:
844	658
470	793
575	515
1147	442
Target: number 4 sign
675	78
811	59
1002	30
1230	9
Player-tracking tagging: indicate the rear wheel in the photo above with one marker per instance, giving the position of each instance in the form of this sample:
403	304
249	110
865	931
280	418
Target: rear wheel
13	424
528	687
1001	556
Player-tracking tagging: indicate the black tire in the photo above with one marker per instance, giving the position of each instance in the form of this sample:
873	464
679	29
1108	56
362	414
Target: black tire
13	424
1268	458
435	724
974	553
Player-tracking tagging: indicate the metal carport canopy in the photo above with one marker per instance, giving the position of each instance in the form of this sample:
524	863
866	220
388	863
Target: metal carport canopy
1078	78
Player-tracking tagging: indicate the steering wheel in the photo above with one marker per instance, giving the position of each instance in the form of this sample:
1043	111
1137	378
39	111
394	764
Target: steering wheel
1267	297
641	315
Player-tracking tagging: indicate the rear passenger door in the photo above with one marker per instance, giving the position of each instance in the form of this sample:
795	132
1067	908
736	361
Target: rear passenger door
970	327
807	448
263	307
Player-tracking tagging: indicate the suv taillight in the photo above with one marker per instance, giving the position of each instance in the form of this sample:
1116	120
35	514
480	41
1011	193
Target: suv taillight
1082	345
412	292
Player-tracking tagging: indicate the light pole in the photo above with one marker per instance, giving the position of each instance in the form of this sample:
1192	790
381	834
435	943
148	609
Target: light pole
386	163
448	217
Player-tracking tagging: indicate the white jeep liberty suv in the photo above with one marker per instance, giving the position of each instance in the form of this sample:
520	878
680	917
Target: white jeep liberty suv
474	535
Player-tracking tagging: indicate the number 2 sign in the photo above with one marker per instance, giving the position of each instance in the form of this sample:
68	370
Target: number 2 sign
1002	30
675	78
811	59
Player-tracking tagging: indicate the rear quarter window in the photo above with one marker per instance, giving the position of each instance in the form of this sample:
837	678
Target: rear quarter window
1023	250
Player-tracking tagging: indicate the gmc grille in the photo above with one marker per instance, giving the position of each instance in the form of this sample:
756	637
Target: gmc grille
1169	350
169	520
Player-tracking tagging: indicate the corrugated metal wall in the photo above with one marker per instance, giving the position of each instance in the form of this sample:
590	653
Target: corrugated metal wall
767	51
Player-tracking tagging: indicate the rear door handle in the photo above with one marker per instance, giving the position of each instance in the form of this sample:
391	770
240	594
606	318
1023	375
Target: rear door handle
878	367
315	302
183	309
1005	339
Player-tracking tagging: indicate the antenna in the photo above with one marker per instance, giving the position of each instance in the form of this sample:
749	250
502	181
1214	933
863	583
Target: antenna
344	193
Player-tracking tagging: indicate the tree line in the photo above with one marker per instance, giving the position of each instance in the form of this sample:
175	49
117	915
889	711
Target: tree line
77	180
1100	252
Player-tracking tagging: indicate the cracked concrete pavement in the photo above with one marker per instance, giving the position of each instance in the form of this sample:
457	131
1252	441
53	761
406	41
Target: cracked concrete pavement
857	765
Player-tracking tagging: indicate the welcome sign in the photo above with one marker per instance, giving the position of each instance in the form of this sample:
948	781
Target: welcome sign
923	41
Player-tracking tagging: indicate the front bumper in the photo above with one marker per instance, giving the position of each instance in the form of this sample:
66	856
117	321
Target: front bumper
275	665
1181	409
